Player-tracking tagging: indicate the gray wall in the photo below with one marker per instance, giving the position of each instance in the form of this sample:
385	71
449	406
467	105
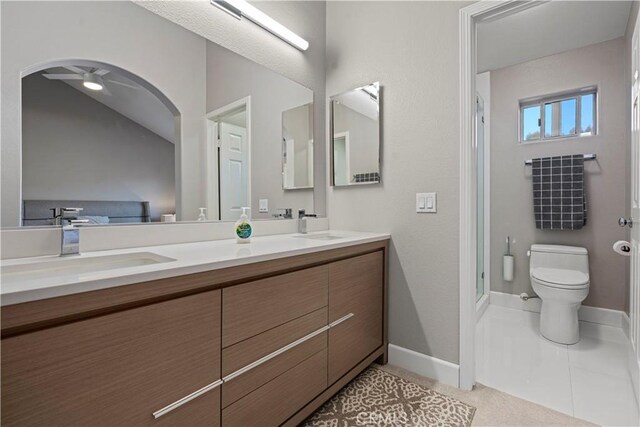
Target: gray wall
511	193
75	148
364	151
231	77
122	34
306	18
412	49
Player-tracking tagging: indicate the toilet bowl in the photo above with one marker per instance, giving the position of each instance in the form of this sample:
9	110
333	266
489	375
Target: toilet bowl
560	277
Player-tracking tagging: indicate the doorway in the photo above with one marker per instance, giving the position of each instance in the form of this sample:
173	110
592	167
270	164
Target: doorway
229	161
509	352
342	173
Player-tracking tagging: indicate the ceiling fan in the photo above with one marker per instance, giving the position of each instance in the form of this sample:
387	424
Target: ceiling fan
92	79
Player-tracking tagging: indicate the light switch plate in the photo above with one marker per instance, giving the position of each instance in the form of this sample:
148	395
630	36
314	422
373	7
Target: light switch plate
426	203
264	205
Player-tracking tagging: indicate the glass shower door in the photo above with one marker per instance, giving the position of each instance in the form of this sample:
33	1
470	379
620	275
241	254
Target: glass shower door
480	197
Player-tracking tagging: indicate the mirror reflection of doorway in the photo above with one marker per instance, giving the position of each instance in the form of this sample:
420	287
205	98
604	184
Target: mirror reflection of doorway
341	170
229	159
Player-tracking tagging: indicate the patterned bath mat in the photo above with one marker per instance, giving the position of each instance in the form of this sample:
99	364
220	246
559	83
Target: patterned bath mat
377	398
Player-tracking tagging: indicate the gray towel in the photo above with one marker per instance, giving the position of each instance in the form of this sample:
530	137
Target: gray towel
559	201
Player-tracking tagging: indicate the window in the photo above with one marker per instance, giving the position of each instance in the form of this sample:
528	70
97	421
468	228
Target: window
558	116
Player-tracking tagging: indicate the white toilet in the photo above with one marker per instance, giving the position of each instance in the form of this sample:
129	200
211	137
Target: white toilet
560	277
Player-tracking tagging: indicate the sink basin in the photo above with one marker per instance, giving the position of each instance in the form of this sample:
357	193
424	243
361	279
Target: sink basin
325	236
77	265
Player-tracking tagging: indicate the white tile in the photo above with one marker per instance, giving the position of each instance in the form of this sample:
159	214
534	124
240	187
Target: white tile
513	357
603	399
598	355
588	380
602	332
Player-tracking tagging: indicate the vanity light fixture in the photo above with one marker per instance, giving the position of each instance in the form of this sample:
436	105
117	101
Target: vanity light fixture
241	8
92	81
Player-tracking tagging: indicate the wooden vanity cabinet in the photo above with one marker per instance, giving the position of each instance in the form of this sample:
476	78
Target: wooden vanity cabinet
117	369
268	342
355	311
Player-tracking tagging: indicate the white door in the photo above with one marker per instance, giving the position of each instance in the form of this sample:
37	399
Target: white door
289	163
234	162
634	213
310	164
341	169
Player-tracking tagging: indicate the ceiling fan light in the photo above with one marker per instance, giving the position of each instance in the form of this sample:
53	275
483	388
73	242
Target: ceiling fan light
92	82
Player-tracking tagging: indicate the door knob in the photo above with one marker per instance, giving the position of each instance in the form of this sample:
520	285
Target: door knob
624	221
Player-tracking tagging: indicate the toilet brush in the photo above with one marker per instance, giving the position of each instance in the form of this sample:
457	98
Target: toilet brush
507	263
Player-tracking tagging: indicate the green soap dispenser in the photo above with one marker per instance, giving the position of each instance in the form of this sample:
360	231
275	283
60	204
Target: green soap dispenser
244	228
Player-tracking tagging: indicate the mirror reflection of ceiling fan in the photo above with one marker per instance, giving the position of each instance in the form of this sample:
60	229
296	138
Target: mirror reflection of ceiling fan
92	78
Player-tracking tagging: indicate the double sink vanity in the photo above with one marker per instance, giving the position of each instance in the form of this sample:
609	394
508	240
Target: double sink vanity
205	333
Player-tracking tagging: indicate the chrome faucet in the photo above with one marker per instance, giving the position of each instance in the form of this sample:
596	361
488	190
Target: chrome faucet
302	220
287	213
67	218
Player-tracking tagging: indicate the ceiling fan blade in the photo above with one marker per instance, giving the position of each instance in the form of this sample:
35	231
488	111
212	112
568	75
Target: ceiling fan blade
101	72
75	69
63	76
123	84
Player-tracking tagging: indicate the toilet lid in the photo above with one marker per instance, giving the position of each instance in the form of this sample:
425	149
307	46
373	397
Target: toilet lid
560	276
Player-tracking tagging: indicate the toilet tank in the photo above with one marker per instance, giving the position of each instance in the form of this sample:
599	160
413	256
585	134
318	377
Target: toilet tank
556	256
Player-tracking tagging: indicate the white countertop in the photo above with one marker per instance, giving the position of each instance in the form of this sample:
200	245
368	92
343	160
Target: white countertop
186	258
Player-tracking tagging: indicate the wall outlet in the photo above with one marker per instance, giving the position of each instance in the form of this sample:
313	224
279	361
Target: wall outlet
264	206
426	203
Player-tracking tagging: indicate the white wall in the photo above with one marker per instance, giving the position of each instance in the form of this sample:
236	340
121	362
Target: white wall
633	14
412	49
121	34
76	148
306	18
600	65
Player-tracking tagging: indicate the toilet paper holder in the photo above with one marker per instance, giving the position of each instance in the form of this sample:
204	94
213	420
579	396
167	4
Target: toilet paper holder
622	247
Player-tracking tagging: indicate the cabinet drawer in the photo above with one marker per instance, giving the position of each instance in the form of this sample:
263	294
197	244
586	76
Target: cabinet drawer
243	354
117	369
255	307
355	286
279	399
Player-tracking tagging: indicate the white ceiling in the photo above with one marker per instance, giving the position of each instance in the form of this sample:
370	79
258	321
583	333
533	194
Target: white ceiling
547	29
359	101
137	104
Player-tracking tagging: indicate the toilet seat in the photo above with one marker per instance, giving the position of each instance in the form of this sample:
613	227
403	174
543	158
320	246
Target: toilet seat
560	278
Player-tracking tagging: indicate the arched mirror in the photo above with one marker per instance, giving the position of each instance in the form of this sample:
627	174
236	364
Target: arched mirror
96	138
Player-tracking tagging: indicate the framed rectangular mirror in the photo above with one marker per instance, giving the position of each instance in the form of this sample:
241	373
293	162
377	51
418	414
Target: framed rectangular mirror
355	136
109	107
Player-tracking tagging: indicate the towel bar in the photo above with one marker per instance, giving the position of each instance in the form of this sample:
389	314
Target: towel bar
586	157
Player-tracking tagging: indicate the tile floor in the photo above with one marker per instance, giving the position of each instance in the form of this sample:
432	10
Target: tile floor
588	380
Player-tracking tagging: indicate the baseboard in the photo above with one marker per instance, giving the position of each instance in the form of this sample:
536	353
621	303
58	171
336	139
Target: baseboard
514	301
601	316
422	364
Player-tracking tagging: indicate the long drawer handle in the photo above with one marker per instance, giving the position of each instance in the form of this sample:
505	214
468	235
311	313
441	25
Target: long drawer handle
179	403
340	320
274	354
